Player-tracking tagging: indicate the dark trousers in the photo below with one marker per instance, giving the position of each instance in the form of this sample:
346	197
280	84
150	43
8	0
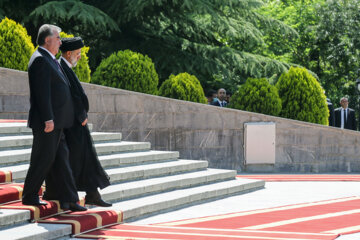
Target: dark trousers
50	162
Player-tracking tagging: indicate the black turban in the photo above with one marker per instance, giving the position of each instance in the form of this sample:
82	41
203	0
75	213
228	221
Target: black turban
71	44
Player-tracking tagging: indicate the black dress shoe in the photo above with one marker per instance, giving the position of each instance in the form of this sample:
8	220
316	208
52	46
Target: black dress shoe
34	203
74	207
98	202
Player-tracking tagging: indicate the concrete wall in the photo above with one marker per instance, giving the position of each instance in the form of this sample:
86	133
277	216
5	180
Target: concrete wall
200	131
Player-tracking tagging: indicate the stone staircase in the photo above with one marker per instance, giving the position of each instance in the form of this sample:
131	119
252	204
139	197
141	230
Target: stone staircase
144	181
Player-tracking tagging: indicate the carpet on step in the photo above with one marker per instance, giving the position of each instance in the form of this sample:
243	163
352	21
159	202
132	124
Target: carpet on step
12	192
129	231
37	212
302	177
12	121
5	176
85	221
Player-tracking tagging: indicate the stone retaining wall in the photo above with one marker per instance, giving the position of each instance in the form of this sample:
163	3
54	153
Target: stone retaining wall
200	131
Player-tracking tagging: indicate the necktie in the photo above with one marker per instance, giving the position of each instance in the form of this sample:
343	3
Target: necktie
60	69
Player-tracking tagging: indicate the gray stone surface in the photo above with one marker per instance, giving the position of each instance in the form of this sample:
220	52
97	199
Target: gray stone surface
200	131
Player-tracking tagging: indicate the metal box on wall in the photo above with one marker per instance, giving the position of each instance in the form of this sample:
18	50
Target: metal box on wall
259	142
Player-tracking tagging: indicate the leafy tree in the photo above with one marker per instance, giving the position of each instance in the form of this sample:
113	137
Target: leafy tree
302	97
257	95
16	47
82	69
127	70
184	87
206	38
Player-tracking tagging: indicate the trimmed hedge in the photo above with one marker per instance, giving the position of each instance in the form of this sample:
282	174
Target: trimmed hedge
257	95
184	87
302	97
82	69
16	47
127	70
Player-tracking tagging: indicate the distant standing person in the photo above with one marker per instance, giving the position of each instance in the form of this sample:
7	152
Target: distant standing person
51	110
220	101
344	116
331	112
211	96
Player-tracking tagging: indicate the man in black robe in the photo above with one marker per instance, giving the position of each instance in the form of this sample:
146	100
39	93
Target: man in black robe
87	170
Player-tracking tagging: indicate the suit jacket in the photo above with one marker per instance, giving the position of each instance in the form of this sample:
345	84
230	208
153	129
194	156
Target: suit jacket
217	103
50	97
350	123
87	170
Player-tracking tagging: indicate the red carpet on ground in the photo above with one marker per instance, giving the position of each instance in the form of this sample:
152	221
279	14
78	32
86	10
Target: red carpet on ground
302	177
84	221
128	231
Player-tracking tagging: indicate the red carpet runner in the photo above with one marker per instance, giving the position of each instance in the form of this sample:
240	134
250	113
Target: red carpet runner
315	220
5	176
303	177
84	221
12	191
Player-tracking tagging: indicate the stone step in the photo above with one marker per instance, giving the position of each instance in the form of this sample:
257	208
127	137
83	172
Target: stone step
140	207
127	173
34	231
154	170
14	128
128	190
9	217
19	128
133	158
22	141
123	191
18	156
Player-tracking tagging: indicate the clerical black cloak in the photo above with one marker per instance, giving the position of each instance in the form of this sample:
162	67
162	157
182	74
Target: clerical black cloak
86	167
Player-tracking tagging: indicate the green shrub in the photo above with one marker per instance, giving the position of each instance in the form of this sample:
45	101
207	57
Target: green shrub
82	69
257	95
302	97
127	70
184	87
16	47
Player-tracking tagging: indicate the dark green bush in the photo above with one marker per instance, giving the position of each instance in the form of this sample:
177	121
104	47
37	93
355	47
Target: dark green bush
257	95
16	47
127	70
302	97
82	69
184	87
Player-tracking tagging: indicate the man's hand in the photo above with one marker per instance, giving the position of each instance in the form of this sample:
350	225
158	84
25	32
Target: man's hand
84	122
49	126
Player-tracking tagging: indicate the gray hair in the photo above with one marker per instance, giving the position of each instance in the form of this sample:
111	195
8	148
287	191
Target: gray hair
45	31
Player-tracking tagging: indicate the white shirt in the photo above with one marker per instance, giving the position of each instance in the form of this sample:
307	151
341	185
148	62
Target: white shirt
48	52
66	61
342	116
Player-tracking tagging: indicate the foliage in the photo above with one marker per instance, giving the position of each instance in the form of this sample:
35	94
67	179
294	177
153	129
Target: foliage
82	69
184	87
127	70
302	97
16	47
257	95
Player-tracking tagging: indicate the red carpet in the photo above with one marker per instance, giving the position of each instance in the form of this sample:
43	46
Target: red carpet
84	221
128	231
12	192
12	121
5	176
302	177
